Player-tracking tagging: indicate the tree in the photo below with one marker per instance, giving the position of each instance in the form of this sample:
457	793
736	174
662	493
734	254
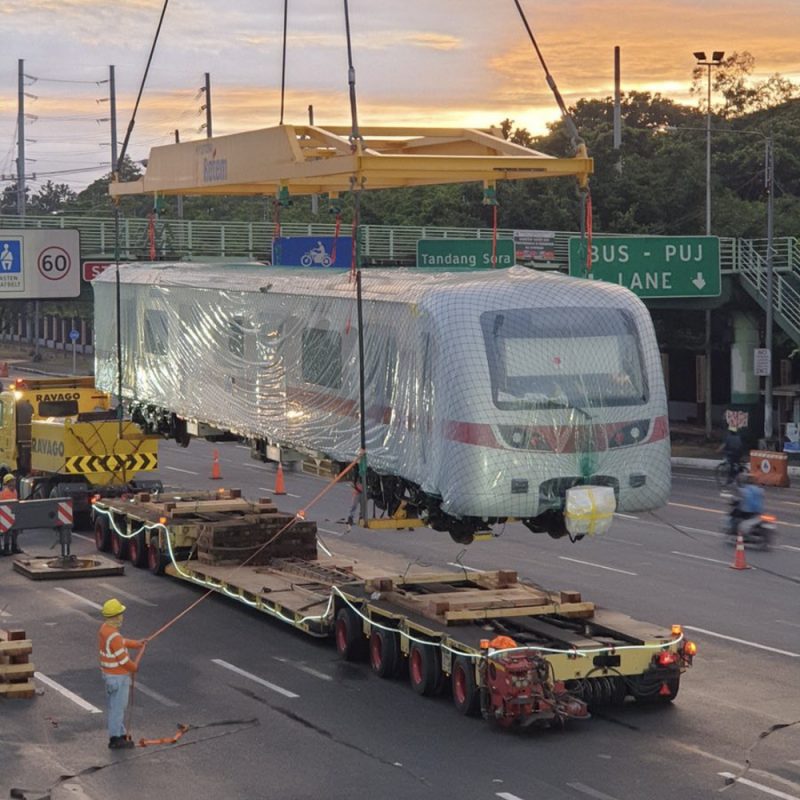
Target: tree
51	198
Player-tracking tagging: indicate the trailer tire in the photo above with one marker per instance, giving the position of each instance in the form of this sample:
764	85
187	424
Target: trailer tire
424	669
156	559
137	550
466	693
102	534
384	653
119	546
350	643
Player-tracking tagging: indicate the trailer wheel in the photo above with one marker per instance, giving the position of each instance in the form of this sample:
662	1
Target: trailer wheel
424	668
137	550
156	559
466	694
350	644
102	534
119	546
384	653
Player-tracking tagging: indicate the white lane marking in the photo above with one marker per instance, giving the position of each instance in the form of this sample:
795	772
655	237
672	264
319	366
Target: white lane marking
507	796
233	668
700	558
272	491
788	547
795	763
127	595
622	541
83	536
178	469
4	614
697	508
794	625
464	566
742	641
582	787
78	597
599	566
625	516
304	668
789	502
86	706
329	531
140	687
759	786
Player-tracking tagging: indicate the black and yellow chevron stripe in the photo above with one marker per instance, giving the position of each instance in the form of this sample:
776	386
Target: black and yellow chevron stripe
134	462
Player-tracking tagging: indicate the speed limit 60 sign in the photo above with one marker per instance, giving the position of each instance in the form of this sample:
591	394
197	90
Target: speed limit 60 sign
39	264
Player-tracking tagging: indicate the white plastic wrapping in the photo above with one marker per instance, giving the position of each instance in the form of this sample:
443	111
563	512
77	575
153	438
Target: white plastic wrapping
493	391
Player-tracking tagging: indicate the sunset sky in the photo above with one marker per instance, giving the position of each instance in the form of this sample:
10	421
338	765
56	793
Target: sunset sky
419	62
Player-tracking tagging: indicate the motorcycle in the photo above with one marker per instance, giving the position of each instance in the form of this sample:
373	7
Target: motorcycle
757	529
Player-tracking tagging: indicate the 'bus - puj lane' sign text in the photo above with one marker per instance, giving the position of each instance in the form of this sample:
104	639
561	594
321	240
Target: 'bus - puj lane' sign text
651	266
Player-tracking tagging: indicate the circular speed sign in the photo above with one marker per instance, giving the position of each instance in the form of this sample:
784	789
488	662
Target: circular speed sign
54	263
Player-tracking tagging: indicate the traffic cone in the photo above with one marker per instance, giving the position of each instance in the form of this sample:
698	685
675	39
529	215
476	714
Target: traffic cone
738	560
4	370
279	487
215	472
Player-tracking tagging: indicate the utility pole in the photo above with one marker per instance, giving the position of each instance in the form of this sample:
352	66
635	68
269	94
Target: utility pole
769	179
207	106
180	196
21	139
112	101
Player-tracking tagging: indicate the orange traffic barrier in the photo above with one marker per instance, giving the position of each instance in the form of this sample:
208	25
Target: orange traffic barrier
215	471
739	560
279	487
4	370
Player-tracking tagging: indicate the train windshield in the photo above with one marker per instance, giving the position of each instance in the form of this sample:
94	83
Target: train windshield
568	357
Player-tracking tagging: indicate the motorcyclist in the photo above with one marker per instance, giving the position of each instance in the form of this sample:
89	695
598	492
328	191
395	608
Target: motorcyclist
733	448
748	505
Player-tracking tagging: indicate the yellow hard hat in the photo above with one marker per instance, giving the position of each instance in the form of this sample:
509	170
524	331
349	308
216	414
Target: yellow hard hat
112	608
8	478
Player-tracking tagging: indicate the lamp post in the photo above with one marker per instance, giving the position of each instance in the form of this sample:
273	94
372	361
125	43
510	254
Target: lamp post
714	61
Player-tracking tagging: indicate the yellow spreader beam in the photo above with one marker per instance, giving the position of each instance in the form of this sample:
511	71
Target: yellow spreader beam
306	159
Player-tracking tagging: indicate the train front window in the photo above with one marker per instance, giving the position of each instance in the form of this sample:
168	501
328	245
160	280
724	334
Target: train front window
564	358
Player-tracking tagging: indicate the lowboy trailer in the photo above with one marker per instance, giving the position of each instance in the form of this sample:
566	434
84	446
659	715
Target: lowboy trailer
510	651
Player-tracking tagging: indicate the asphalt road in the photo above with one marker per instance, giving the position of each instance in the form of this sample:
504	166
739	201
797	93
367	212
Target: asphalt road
302	724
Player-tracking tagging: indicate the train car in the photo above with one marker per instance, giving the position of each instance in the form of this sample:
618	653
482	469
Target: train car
489	394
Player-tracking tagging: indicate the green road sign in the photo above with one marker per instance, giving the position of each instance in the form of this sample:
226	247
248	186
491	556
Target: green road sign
464	253
652	266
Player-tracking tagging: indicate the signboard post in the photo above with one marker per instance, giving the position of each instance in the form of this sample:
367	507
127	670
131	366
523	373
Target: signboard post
762	361
74	336
39	263
652	266
464	253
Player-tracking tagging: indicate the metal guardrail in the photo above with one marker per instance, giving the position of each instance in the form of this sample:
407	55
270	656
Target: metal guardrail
752	268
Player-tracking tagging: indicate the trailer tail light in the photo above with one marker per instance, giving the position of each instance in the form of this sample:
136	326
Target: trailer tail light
667	658
677	630
689	651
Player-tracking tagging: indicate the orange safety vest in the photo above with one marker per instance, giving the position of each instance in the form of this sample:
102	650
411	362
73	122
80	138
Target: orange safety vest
8	494
114	656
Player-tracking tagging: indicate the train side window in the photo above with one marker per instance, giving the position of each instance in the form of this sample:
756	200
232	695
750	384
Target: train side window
322	358
155	332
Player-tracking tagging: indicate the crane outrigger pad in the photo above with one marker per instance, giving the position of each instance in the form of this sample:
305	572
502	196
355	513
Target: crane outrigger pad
307	159
48	568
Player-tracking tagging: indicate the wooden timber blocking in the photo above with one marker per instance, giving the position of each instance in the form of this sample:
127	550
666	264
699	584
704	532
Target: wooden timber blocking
16	669
481	595
256	539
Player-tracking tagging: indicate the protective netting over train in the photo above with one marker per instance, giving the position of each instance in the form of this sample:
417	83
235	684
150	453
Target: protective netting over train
491	391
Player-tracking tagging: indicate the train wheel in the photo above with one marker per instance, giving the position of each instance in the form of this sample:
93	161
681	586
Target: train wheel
156	559
424	668
102	535
350	644
119	546
137	550
466	694
384	653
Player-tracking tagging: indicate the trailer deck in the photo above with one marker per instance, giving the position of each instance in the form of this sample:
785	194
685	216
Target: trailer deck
466	626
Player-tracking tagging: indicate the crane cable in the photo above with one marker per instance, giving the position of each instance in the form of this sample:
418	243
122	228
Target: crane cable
576	141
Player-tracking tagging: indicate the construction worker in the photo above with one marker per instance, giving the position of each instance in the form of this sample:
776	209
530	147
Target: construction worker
117	668
9	492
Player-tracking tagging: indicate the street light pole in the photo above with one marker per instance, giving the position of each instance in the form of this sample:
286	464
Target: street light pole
714	61
769	155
